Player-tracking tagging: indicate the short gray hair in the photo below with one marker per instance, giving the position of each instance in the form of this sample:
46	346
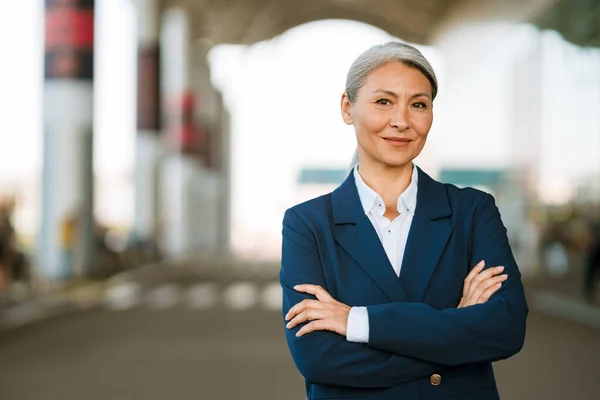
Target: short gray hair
380	55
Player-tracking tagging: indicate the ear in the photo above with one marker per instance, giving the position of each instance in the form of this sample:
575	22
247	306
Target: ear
346	107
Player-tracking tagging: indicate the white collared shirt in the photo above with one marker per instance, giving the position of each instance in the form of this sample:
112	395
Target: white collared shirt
392	234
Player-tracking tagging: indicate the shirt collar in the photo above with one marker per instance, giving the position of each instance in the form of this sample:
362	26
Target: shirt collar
371	201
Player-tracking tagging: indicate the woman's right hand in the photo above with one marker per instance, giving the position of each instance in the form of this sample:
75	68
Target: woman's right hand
480	286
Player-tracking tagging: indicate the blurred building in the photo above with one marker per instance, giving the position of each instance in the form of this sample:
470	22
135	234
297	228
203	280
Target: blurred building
519	94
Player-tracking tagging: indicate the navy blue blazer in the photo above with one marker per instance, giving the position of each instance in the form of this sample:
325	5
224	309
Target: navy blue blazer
415	329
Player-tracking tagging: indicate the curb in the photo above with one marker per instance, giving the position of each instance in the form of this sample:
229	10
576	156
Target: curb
82	296
209	266
38	309
86	295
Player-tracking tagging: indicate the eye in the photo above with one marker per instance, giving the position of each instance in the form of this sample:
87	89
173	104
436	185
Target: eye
419	104
383	102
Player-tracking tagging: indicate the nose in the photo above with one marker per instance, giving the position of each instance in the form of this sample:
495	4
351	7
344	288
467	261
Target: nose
400	119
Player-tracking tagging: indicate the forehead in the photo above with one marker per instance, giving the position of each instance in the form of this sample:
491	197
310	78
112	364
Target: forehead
399	76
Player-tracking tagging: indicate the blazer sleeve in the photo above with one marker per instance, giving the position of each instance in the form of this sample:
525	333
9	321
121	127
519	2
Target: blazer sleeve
325	357
491	331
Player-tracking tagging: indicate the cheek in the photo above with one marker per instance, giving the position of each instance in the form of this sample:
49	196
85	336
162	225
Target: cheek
422	124
373	121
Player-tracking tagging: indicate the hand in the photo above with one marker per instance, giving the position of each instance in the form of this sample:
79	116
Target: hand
326	313
480	286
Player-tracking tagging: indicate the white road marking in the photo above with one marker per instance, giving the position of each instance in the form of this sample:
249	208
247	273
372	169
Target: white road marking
241	295
271	296
202	296
163	297
123	295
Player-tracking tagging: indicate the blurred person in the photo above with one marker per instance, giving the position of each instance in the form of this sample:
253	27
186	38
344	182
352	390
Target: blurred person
592	262
556	259
68	237
7	243
396	286
3	270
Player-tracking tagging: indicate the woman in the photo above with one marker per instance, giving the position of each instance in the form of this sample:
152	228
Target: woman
396	286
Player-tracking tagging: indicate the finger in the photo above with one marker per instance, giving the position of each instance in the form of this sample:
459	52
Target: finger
488	293
302	306
483	276
488	273
476	269
316	290
485	296
492	281
319	325
466	302
296	309
308	315
483	286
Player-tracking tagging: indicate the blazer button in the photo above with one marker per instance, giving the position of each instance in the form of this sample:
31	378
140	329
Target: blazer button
435	379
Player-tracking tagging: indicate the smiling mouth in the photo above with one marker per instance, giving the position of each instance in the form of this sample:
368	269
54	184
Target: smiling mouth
397	142
393	139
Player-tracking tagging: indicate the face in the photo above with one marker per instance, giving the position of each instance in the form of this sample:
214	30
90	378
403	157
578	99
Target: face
392	114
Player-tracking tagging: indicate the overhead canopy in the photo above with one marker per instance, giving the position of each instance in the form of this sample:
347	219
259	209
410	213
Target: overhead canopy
251	21
578	21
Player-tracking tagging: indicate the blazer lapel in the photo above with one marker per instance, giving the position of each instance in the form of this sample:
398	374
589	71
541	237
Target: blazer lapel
429	233
356	235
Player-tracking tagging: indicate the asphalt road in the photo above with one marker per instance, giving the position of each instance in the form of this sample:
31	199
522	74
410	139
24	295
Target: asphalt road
183	353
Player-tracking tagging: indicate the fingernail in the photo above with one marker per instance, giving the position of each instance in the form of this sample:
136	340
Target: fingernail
500	268
297	333
287	316
481	263
296	287
287	326
504	276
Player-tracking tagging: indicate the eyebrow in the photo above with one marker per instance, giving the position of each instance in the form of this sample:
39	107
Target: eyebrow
390	93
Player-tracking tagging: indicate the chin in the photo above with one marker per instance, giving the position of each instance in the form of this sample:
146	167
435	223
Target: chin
395	161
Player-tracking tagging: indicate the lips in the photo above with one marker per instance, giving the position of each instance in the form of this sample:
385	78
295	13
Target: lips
397	142
394	139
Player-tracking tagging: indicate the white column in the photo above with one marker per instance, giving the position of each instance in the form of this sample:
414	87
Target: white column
65	243
224	195
178	171
212	222
149	147
525	136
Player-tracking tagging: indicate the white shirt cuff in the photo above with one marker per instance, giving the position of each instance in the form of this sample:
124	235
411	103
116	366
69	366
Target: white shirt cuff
358	325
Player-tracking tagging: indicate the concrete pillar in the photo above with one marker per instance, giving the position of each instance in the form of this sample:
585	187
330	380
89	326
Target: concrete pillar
179	171
196	172
526	102
65	245
149	146
212	186
525	139
223	148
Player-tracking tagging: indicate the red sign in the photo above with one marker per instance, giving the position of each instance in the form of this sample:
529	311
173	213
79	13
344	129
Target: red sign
69	42
187	134
68	27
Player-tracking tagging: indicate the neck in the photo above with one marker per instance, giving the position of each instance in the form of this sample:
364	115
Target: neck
388	182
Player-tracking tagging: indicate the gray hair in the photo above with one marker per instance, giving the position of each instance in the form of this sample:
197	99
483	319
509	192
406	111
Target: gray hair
380	55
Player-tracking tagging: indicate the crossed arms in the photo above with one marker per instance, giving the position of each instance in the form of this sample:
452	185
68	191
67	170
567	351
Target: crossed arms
429	340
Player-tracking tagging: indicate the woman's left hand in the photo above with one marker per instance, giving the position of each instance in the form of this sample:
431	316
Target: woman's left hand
326	313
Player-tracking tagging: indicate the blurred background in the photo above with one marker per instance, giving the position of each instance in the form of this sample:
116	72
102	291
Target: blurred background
149	149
